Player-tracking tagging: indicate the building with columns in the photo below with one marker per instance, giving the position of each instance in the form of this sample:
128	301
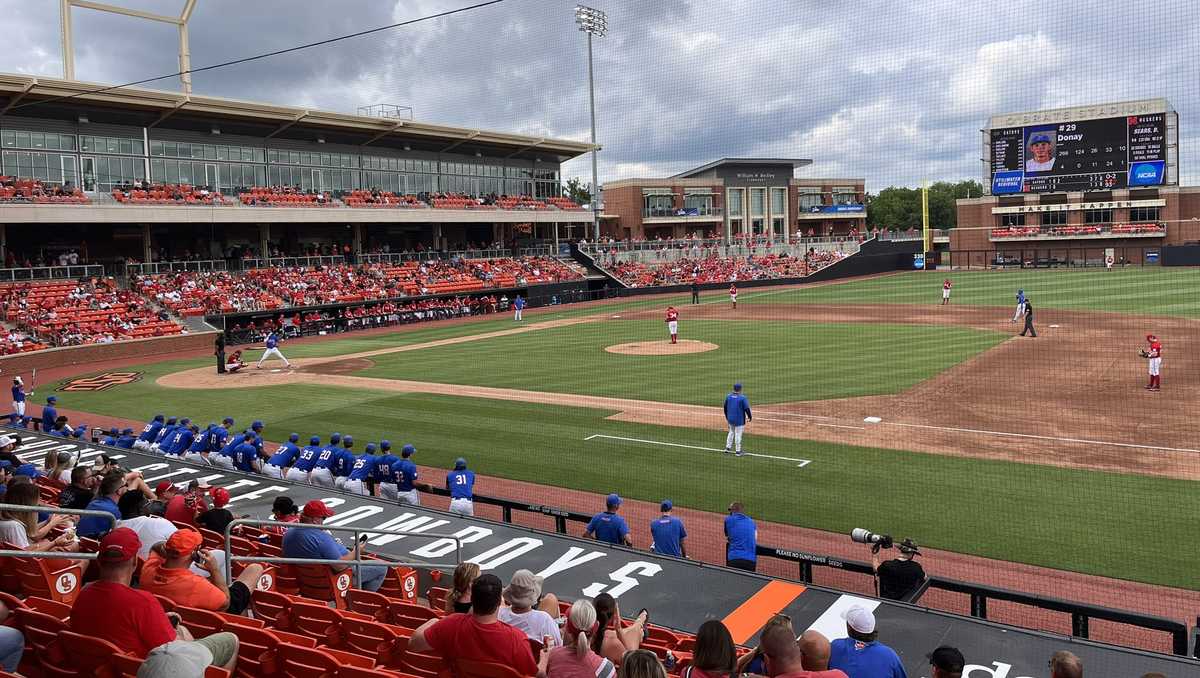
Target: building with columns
734	197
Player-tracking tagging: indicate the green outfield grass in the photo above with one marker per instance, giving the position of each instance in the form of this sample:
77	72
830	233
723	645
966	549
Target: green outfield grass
1002	510
778	362
1136	291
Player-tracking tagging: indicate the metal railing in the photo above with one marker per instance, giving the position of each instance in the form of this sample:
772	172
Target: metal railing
157	267
51	272
1108	230
356	562
64	555
293	262
681	213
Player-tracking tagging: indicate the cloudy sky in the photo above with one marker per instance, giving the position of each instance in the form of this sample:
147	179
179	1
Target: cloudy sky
894	92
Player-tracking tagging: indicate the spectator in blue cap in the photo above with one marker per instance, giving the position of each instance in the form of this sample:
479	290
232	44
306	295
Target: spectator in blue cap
1041	147
609	527
49	413
668	533
461	483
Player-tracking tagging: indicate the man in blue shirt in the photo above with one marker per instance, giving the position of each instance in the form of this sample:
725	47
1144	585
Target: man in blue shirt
404	474
180	441
257	429
609	527
272	343
218	436
149	433
741	539
361	471
861	655
737	413
383	471
284	457
518	306
49	413
111	489
110	438
165	432
315	543
668	533
461	484
197	452
343	460
18	393
305	461
322	473
225	457
126	440
245	454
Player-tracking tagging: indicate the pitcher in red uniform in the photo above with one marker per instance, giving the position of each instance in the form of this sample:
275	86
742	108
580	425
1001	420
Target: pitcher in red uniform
1154	358
673	324
733	294
946	285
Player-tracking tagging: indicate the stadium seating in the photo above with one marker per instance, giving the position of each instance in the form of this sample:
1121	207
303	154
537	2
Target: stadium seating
381	199
284	196
715	269
68	313
563	203
166	194
13	190
195	294
1080	230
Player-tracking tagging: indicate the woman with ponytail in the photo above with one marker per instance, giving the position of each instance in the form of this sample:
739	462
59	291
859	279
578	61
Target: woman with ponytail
576	658
617	638
459	597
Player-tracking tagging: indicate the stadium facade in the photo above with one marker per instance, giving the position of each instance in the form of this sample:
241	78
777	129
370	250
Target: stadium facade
734	197
99	138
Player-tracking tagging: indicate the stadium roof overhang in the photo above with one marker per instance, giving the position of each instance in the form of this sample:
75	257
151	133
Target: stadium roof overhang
723	162
28	96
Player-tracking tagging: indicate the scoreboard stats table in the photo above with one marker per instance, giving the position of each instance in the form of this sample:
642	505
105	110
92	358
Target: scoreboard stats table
1085	155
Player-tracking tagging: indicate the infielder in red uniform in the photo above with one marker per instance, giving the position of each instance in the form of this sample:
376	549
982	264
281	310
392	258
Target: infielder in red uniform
946	285
673	324
1154	358
733	294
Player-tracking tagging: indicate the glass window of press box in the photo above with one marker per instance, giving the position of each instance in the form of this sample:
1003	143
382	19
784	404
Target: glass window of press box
808	197
700	200
658	202
1054	218
1097	216
1007	220
845	195
1144	213
25	156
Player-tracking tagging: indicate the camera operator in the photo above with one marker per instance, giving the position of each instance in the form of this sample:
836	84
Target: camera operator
901	575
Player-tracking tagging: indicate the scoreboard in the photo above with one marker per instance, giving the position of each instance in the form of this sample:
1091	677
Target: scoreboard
1079	155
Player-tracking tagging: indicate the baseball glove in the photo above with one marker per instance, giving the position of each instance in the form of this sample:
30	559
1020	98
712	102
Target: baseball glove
1144	353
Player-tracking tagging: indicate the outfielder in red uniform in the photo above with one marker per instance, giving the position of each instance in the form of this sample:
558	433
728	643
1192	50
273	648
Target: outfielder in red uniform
1154	358
673	324
733	294
946	285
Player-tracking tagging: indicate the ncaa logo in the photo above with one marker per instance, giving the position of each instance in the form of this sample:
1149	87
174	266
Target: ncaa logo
66	583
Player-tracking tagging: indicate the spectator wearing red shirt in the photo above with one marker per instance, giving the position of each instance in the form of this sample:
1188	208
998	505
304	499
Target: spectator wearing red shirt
183	508
479	635
131	619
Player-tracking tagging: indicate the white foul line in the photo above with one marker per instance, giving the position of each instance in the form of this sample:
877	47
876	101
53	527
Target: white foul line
815	423
803	462
1037	437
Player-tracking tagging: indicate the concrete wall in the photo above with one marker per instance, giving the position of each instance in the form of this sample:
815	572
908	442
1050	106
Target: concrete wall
22	363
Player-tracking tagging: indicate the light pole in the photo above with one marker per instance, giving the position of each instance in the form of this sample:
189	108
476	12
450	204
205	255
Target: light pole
593	22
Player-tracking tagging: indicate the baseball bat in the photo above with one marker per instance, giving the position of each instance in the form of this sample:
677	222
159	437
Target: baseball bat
33	381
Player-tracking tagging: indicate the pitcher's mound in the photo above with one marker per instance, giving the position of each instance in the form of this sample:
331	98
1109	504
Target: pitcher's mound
661	347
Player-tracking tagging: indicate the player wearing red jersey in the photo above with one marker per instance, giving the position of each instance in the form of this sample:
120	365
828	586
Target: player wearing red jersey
946	285
733	294
1154	357
673	324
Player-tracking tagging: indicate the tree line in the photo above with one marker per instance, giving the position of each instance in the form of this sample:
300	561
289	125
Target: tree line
899	207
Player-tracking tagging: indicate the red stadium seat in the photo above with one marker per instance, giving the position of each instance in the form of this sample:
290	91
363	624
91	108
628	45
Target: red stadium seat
408	615
422	665
57	580
320	582
294	661
369	603
76	655
373	639
468	668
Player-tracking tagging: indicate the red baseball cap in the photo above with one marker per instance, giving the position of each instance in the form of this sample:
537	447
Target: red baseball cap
119	545
317	509
220	496
163	487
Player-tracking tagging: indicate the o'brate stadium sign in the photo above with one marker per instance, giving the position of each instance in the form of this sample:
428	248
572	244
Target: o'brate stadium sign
576	567
100	382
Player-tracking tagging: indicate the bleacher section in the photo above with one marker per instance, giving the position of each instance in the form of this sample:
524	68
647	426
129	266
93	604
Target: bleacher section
166	194
284	197
1090	230
69	313
15	191
198	293
362	198
717	269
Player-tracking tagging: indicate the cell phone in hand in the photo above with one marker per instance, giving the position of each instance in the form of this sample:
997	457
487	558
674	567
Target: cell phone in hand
198	557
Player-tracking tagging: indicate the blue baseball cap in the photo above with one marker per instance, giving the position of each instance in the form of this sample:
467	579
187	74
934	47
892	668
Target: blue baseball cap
408	450
248	435
385	444
256	425
227	420
126	431
347	440
737	386
170	420
51	399
1040	138
78	432
460	464
157	417
665	505
613	500
185	421
315	440
335	438
294	437
370	448
112	431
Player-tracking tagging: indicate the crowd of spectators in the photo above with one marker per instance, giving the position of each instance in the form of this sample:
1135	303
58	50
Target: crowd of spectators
194	293
13	190
377	198
718	269
69	313
285	196
140	192
1077	230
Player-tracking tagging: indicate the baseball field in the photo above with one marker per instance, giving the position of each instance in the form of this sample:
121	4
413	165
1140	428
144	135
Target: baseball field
874	406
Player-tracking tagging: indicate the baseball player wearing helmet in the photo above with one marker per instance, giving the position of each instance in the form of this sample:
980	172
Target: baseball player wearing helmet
1153	354
272	343
19	395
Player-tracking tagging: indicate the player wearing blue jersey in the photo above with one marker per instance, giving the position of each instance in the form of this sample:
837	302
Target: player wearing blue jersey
126	440
322	473
149	432
668	533
609	527
737	414
272	343
343	460
284	457
49	413
19	395
180	441
245	454
383	471
305	462
226	456
461	483
165	432
110	438
404	475
198	451
518	306
361	471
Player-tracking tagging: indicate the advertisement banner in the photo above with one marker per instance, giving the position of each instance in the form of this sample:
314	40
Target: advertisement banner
837	209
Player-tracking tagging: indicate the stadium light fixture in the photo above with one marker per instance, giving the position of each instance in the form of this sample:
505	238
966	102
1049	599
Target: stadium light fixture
593	22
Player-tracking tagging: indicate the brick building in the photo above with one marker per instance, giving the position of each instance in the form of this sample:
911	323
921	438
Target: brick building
732	197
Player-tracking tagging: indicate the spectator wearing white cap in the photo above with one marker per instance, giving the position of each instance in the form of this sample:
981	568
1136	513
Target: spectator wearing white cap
522	595
862	655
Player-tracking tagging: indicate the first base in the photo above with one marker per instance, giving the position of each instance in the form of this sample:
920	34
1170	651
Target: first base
872	420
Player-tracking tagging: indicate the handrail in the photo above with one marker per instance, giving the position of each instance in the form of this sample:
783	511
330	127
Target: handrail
67	555
155	267
292	262
357	562
51	272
